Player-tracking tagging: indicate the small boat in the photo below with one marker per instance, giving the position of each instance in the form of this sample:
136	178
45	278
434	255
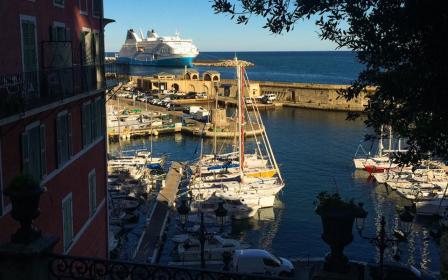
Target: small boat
437	206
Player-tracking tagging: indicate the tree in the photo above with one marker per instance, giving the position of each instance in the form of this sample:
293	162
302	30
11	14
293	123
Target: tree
403	48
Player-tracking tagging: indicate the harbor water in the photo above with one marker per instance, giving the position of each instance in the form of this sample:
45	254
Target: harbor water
323	67
315	151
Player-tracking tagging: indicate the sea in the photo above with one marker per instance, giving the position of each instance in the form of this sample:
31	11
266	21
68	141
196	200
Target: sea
314	150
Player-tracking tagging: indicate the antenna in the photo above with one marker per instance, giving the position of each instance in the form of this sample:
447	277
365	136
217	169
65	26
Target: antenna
141	34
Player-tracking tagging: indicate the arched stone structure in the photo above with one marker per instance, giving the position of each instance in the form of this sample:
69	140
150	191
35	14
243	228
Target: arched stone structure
175	87
207	77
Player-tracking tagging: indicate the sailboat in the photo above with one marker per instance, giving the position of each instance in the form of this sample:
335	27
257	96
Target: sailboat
254	177
382	160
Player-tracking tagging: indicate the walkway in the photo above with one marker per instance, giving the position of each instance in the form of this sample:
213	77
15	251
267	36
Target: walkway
151	239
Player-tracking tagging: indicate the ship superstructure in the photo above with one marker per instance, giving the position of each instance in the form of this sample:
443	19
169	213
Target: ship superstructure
156	50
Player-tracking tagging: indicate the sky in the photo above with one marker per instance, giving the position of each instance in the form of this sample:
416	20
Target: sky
195	19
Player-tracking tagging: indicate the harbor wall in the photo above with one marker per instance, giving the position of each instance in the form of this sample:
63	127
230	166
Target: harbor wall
301	95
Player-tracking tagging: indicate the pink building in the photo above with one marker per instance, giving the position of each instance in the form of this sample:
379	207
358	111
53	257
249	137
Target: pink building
52	119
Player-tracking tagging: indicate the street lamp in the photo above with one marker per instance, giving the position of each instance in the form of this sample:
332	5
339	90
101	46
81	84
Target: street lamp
221	214
382	241
183	211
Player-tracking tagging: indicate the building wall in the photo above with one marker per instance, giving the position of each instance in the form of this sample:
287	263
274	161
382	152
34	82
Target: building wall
90	232
46	13
70	178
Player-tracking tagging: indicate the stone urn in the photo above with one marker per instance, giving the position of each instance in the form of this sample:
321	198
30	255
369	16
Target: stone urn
25	193
337	218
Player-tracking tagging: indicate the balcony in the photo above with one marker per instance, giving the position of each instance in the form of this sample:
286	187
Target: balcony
57	80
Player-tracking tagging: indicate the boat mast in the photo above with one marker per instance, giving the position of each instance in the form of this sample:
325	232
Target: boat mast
380	144
240	119
390	138
214	125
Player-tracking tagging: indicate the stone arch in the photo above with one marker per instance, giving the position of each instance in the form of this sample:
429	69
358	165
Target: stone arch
206	90
175	87
207	77
194	77
215	78
187	76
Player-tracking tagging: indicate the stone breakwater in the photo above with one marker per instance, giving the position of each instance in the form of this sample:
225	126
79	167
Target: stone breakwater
223	63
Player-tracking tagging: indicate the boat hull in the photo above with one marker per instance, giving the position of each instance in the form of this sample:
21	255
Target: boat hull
166	62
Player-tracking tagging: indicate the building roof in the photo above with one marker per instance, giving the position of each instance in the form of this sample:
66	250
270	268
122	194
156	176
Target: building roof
213	72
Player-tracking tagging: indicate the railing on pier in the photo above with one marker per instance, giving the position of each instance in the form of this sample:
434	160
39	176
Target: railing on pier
69	267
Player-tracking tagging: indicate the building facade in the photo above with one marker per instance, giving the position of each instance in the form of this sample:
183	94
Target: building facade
52	119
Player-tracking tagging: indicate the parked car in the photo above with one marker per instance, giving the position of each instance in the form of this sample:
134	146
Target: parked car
257	261
176	107
154	101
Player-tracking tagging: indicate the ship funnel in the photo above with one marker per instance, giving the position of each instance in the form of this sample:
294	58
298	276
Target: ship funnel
132	36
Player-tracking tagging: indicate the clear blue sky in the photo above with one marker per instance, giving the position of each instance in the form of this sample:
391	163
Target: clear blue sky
194	19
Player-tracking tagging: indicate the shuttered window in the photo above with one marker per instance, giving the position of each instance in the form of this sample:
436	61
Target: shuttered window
29	50
29	55
63	138
59	3
34	152
97	8
67	221
92	192
93	121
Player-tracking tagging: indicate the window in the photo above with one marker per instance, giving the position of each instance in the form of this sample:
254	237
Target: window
97	9
63	137
93	123
270	262
86	124
34	151
92	192
67	221
29	54
59	3
83	7
59	32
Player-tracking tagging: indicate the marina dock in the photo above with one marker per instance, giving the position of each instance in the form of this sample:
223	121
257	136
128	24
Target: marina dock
151	240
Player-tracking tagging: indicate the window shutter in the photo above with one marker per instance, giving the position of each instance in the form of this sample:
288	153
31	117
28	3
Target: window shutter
25	153
84	124
59	140
70	138
43	152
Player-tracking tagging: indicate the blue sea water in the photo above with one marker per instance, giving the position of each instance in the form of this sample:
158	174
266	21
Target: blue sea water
315	151
325	67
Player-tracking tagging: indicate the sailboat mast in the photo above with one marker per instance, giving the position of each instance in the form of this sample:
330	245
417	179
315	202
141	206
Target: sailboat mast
214	125
390	138
240	155
242	110
380	144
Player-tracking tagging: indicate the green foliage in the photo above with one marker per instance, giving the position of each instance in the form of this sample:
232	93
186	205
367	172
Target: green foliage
327	203
402	45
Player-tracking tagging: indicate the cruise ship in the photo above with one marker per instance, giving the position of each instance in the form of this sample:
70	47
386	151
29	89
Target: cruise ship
157	51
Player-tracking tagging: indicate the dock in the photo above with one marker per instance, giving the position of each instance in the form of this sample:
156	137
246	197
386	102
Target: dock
152	238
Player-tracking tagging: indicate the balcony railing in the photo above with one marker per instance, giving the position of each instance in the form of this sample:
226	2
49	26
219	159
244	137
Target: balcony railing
69	267
25	91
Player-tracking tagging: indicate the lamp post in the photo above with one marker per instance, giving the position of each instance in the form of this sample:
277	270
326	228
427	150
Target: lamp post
382	241
221	214
183	211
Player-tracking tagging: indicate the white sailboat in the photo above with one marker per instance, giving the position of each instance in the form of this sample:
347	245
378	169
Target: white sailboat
253	178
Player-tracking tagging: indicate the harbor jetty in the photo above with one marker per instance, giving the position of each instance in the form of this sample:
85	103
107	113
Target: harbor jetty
223	63
152	238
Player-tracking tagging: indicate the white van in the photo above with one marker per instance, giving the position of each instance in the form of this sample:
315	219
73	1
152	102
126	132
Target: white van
257	261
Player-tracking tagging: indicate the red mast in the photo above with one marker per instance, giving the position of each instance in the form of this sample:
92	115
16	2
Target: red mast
242	117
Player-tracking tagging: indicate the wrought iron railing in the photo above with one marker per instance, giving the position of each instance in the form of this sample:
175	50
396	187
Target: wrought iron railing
69	267
25	91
